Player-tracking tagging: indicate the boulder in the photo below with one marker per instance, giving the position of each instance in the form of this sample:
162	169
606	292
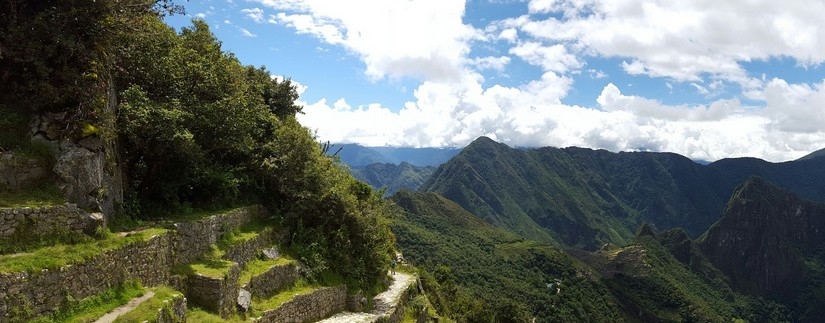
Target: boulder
244	299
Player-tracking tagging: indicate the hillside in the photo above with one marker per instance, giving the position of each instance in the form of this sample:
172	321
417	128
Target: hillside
769	242
483	273
391	177
583	198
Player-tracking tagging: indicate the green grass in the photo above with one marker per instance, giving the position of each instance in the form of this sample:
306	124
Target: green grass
301	287
148	310
259	266
92	308
43	194
197	315
56	256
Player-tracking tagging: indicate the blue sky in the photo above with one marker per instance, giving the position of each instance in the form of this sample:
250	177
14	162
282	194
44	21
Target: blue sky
705	79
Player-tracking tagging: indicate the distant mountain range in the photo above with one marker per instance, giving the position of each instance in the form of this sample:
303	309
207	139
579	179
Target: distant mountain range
653	237
584	198
356	155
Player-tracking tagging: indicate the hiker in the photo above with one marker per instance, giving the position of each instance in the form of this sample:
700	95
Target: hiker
393	266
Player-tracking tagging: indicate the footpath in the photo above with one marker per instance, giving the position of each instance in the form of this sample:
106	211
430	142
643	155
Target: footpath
385	303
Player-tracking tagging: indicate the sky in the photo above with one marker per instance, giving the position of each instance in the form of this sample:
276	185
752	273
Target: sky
706	79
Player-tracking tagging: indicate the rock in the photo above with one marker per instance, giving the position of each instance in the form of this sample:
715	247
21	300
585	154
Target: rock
81	173
93	221
92	143
244	299
272	253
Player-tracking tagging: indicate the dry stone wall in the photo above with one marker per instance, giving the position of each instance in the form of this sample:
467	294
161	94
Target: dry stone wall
33	222
17	172
175	312
24	295
248	250
217	294
273	280
309	307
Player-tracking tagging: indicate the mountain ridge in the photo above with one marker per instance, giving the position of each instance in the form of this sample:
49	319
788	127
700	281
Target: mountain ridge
582	197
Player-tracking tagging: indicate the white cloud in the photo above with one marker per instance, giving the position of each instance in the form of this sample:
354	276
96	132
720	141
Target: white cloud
247	33
698	44
394	38
684	40
256	14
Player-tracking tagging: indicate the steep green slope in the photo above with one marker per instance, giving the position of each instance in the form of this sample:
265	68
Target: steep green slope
654	286
584	198
770	242
393	177
486	273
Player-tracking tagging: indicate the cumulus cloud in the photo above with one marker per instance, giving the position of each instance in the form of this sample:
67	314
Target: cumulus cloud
698	44
256	14
394	38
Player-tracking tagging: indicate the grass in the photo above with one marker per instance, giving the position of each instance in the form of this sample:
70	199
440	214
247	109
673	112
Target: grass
260	266
197	315
57	256
301	287
43	194
212	263
148	310
92	308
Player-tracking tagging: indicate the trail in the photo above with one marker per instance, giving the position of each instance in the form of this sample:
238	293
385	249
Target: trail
111	316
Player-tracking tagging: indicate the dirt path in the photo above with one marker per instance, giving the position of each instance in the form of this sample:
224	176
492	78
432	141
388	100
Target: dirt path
385	302
111	316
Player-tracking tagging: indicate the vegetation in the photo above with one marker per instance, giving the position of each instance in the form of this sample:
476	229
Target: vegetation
45	194
474	272
391	178
148	310
94	307
584	198
55	256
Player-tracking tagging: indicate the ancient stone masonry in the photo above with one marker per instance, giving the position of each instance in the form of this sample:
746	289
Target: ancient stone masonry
248	250
24	295
174	312
17	172
217	294
32	222
309	307
273	280
192	239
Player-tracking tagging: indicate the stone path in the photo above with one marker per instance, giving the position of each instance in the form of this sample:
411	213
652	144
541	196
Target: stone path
385	302
111	316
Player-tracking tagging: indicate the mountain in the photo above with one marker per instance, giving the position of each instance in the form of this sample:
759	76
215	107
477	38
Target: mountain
482	273
393	177
355	155
818	153
770	242
477	272
584	198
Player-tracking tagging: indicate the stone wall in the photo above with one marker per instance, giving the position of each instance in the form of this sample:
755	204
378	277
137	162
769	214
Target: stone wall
309	307
17	172
32	222
273	280
174	311
192	239
217	294
24	295
248	250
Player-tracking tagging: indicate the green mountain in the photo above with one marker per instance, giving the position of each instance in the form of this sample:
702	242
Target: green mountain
772	243
393	177
482	273
355	155
584	198
473	268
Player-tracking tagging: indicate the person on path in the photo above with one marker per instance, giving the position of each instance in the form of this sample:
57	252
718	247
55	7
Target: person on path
393	266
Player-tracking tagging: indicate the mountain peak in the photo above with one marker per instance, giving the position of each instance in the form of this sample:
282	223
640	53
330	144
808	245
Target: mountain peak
815	154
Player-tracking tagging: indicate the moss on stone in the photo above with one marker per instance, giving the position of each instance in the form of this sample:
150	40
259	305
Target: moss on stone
259	266
60	255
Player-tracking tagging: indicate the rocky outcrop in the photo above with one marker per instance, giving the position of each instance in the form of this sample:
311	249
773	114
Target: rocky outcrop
763	237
